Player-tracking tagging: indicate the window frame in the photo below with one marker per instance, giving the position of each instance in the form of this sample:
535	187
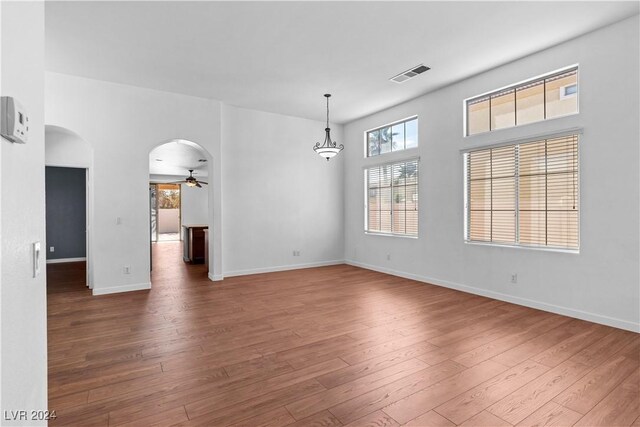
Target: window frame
517	142
390	125
366	197
514	87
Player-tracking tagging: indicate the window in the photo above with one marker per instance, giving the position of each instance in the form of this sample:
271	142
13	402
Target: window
392	198
553	95
524	194
394	137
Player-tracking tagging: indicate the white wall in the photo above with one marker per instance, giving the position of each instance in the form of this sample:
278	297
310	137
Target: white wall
278	195
123	124
66	149
599	284
23	324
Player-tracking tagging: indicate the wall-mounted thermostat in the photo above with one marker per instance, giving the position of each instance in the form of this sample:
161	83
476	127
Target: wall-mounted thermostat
14	123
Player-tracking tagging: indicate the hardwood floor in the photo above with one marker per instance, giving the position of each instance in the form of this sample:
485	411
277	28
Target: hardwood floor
326	347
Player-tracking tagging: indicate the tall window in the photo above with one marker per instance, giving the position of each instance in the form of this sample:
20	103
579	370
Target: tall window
524	194
392	198
394	137
553	95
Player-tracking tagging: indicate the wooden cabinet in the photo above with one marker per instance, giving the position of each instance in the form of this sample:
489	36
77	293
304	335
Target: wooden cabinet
194	243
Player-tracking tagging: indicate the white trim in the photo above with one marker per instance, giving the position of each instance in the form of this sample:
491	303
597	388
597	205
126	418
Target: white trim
215	278
565	311
62	260
406	157
117	289
524	140
282	268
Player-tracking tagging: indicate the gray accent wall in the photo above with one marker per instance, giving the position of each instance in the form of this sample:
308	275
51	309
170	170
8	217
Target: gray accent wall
66	212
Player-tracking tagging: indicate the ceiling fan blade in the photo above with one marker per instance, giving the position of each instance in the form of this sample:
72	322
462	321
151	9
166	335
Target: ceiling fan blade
202	182
198	184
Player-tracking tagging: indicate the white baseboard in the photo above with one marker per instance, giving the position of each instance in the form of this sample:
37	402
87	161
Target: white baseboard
281	268
565	311
215	278
124	288
61	260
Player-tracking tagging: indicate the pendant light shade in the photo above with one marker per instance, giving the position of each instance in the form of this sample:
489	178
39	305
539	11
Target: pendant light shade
328	149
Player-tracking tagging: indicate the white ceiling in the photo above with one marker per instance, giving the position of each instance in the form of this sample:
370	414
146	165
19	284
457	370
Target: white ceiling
283	56
176	158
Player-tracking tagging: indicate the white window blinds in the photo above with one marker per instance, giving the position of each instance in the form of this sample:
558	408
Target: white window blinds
524	194
392	198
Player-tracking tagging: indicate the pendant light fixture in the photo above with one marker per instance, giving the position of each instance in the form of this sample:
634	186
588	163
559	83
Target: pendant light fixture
328	149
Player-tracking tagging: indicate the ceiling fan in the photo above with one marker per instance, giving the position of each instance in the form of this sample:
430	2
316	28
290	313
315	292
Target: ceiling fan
191	181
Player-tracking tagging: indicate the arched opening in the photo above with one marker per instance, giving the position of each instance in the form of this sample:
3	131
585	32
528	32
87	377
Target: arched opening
69	210
180	209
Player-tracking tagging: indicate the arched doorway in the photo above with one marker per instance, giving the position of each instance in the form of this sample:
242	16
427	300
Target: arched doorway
180	205
69	209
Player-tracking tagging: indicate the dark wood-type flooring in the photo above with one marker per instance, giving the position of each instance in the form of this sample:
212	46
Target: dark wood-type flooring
325	347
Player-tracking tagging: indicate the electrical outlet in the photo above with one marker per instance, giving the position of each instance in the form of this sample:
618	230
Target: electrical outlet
52	249
514	278
126	269
296	253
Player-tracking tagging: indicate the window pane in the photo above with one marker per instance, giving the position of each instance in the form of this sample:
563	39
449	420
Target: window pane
562	229
411	133
532	195
374	143
532	159
562	191
385	198
385	221
530	103
562	155
503	226
399	222
398	198
411	197
411	172
385	140
561	94
478	116
503	112
374	199
503	194
480	194
399	174
374	220
479	164
480	226
532	228
412	223
397	137
503	162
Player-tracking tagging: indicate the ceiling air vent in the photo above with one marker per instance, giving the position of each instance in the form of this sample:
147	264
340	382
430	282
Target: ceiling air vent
409	74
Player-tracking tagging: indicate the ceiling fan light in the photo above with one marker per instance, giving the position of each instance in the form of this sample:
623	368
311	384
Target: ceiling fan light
191	183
